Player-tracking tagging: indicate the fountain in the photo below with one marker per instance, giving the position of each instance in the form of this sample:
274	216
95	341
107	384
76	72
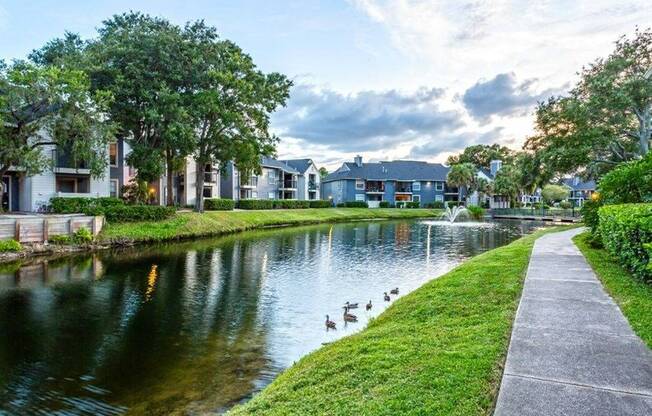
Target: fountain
452	214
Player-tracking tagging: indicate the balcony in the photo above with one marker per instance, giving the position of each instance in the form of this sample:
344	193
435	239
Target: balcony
250	182
375	189
288	184
404	189
210	177
63	163
312	186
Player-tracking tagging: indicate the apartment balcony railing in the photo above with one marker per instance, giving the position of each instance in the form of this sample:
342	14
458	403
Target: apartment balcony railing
289	185
64	161
210	177
375	189
404	190
312	186
250	182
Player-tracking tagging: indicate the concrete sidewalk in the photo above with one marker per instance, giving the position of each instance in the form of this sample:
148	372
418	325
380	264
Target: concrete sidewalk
572	351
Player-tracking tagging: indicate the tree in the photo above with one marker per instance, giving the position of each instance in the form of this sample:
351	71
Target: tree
532	174
461	175
553	193
46	106
506	182
481	186
630	182
323	173
145	63
481	155
230	104
606	118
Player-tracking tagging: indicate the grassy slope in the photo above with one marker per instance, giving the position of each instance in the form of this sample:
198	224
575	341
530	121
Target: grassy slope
437	351
190	224
633	296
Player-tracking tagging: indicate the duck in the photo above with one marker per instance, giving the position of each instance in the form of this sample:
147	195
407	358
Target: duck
348	317
351	305
394	291
387	299
369	305
329	324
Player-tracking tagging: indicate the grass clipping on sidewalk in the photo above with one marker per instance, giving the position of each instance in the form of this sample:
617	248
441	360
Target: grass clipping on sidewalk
437	351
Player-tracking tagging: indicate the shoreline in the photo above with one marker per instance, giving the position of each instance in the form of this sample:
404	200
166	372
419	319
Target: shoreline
187	226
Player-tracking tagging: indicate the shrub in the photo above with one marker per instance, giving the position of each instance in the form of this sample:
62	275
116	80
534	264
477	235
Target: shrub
413	204
453	203
59	239
383	204
475	212
132	213
217	204
256	204
290	204
589	213
82	236
340	205
552	193
630	182
437	205
565	205
62	205
356	204
319	203
10	245
135	192
626	230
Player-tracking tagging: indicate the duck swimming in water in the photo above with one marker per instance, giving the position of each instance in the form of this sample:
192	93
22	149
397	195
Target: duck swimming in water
387	299
351	305
394	291
330	324
349	317
369	305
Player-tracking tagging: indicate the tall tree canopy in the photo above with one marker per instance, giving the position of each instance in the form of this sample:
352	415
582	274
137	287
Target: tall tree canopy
481	155
41	106
230	105
606	118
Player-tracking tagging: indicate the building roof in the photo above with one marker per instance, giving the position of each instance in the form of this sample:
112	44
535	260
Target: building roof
301	165
486	172
278	164
577	184
401	170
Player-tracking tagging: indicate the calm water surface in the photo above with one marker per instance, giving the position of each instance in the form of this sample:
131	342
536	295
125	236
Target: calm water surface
193	328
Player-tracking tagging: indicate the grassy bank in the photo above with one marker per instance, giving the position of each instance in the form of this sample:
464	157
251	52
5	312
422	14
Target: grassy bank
437	351
632	295
190	224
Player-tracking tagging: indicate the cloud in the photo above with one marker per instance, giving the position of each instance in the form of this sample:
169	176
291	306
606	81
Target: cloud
503	95
364	121
454	143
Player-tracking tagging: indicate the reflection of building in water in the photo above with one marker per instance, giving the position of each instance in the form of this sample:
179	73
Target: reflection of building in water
402	233
49	272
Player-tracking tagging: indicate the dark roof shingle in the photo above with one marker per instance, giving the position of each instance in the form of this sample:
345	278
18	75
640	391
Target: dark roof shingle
402	170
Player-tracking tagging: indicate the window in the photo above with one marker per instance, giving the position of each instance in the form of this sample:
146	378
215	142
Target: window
208	192
271	177
359	197
72	184
416	186
359	185
271	195
416	198
113	188
439	186
439	198
113	154
254	194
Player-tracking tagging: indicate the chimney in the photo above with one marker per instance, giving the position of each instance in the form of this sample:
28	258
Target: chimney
495	166
358	161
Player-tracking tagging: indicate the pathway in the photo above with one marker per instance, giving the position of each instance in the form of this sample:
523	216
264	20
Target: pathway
572	351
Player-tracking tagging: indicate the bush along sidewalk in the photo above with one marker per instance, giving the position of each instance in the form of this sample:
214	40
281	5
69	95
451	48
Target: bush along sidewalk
217	204
626	230
113	209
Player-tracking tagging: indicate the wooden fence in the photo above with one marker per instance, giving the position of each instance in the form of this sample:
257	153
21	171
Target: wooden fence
39	228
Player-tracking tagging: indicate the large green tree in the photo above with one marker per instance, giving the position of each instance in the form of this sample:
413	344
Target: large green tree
51	106
606	118
462	175
507	183
146	64
230	105
481	155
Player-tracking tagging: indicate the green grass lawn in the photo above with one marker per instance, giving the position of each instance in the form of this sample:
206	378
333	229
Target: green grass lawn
437	351
191	224
632	295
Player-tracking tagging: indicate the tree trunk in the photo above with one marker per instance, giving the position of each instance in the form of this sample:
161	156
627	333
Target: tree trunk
199	187
644	129
2	186
170	179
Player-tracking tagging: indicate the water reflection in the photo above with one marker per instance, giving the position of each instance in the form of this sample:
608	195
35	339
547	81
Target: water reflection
197	327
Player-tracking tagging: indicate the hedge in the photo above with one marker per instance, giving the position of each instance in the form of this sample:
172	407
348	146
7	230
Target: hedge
132	213
626	230
320	203
384	204
356	204
217	204
79	205
290	204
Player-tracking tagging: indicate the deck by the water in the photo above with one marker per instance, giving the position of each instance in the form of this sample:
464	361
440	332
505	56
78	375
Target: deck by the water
551	215
37	228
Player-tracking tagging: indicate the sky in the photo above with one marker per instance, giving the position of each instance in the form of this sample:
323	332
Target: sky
386	79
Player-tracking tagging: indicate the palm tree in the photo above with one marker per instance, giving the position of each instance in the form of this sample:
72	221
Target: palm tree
461	175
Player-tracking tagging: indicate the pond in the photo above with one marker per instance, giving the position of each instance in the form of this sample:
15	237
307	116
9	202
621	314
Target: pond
198	327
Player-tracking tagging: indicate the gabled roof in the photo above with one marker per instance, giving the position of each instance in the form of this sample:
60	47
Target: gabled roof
577	184
486	172
301	165
402	170
278	164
